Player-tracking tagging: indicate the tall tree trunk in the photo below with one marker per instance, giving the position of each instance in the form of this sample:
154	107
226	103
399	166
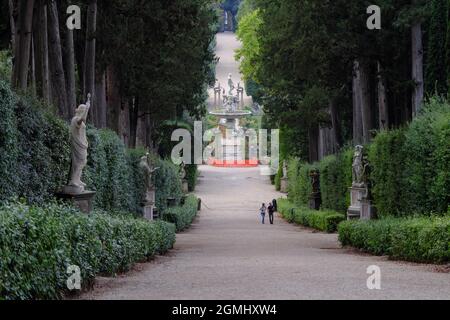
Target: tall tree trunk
124	121
23	47
383	110
113	99
100	94
58	80
134	113
417	68
366	110
12	23
89	56
313	134
33	68
357	112
40	38
149	125
336	124
69	58
327	143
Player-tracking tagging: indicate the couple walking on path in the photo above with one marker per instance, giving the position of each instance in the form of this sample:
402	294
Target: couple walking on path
271	208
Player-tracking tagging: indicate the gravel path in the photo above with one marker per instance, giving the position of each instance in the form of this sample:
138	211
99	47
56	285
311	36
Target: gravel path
228	254
227	44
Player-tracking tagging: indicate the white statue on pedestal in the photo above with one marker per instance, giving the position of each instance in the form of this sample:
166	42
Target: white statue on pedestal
79	146
358	167
148	170
285	169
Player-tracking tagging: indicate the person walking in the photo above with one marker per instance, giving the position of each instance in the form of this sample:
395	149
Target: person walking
271	210
262	212
275	205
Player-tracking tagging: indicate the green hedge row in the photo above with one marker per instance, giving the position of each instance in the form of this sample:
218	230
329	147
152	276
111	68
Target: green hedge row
35	160
335	179
424	239
182	216
410	169
321	220
37	244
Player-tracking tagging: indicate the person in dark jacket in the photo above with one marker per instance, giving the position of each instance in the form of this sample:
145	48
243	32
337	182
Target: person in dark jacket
271	210
275	205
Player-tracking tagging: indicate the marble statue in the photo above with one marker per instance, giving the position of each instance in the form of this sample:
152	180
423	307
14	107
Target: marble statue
148	170
79	145
230	85
358	167
285	169
182	171
315	180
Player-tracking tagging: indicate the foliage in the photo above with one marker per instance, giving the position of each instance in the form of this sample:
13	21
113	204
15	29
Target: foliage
335	179
247	34
184	215
35	160
426	183
162	51
9	152
37	244
387	162
191	176
299	185
413	239
5	65
322	220
409	169
167	183
436	75
410	166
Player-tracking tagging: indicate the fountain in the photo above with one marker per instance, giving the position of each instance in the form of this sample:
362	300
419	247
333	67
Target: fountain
231	110
229	115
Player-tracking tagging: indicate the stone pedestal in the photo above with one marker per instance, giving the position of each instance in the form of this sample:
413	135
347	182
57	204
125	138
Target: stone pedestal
284	185
147	211
185	186
357	194
148	205
83	201
368	211
315	201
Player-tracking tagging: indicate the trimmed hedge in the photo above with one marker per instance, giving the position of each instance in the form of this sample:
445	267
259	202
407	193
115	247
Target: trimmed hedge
182	216
37	244
192	176
326	221
35	160
387	162
410	169
424	239
335	180
299	186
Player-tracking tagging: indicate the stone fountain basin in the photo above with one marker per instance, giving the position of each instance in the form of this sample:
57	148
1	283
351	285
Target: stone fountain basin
230	114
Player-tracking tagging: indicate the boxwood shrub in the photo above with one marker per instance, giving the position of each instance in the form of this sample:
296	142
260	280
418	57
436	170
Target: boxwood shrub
335	180
321	220
182	216
37	244
420	239
35	160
